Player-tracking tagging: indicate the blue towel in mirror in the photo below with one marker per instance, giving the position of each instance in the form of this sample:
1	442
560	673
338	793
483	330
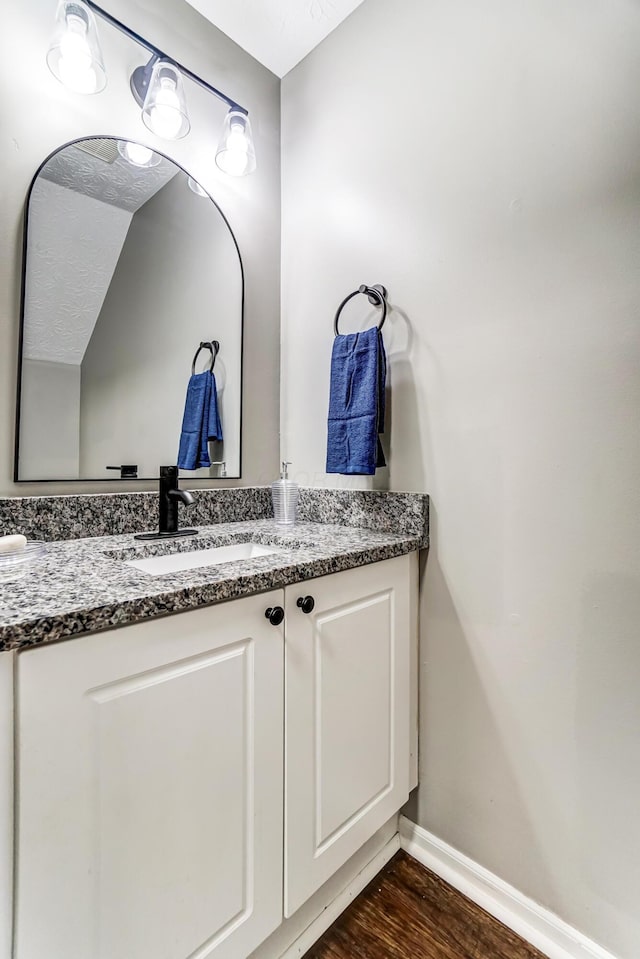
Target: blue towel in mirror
200	423
356	404
214	431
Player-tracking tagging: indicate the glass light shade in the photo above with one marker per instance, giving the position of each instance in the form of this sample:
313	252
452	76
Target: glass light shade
75	57
164	110
235	154
137	155
195	187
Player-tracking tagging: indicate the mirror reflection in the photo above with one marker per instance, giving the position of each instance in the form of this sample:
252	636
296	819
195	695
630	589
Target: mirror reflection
129	268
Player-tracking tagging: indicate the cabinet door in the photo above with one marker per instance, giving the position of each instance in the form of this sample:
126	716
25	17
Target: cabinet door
347	718
150	789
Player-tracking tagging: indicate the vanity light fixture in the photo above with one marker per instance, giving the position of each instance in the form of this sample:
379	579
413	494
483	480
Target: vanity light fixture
195	187
158	88
75	59
235	154
74	56
137	155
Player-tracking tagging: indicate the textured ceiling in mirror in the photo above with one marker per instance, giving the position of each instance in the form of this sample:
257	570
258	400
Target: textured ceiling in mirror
79	213
74	242
119	183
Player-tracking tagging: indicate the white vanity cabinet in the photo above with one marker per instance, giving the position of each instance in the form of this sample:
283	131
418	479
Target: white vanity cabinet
157	763
347	727
150	789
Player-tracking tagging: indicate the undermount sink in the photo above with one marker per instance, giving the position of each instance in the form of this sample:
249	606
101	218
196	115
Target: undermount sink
178	562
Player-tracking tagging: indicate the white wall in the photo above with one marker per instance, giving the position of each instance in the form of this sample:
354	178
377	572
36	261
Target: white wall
50	419
178	282
37	115
482	160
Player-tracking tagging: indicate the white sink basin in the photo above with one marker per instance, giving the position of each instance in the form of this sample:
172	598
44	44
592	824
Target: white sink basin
177	562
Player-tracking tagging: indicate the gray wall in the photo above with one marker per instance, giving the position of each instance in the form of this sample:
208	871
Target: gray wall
482	160
50	419
37	115
178	281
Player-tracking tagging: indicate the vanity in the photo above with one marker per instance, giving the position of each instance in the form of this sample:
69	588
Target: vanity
191	785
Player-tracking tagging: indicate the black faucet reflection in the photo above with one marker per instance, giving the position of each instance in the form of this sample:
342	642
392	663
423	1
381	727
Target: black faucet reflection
170	497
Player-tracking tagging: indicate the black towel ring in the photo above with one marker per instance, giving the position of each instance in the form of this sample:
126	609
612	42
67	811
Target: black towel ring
377	297
214	347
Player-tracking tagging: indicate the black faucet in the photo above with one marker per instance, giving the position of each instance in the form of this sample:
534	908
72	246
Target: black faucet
170	497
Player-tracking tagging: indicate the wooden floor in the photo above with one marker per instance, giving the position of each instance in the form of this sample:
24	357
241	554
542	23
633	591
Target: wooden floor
407	912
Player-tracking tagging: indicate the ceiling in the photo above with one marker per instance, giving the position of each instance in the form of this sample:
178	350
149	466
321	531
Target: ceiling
278	33
113	181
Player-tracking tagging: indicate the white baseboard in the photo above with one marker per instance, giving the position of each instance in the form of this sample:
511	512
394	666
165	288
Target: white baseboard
538	926
322	922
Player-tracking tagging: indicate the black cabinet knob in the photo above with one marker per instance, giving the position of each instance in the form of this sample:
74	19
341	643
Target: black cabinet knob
306	603
275	615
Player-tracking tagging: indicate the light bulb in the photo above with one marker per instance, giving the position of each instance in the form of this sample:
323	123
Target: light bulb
164	110
235	155
137	155
235	164
238	150
195	187
165	115
74	56
75	66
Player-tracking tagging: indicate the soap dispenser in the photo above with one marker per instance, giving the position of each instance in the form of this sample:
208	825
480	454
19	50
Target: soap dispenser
285	493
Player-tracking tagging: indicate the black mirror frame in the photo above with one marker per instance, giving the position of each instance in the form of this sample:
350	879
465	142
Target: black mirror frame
23	289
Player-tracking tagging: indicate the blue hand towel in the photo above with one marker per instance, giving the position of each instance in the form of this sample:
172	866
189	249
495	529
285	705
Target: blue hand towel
356	403
214	431
201	422
194	449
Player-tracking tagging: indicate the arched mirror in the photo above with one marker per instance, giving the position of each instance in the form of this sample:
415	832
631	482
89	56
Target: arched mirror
128	269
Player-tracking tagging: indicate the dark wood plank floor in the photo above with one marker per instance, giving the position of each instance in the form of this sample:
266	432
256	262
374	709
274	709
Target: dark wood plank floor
407	912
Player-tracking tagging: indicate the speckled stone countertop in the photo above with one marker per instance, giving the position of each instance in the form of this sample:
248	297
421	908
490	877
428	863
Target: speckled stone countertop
83	585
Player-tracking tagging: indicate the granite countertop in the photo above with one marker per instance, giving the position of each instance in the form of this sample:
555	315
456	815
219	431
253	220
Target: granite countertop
83	585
